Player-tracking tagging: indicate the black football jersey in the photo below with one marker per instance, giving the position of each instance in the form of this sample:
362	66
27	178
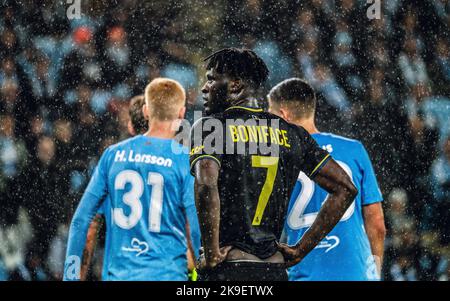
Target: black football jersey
260	157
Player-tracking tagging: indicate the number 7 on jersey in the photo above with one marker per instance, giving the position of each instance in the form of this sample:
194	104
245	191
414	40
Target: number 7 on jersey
271	163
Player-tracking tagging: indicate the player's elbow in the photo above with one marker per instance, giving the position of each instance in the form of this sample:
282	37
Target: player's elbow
381	230
79	221
206	184
374	221
76	224
378	227
205	189
349	192
353	191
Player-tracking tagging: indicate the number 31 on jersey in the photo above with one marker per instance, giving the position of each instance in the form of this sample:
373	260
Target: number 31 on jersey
132	198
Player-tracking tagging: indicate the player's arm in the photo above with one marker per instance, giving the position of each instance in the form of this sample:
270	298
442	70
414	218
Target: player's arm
337	183
208	207
190	255
78	235
371	198
192	234
205	168
376	231
322	169
91	242
192	226
190	249
87	208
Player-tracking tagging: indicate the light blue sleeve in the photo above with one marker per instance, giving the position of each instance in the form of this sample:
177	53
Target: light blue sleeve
370	191
87	208
191	213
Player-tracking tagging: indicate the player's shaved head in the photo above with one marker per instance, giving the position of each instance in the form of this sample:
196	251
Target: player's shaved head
164	98
296	95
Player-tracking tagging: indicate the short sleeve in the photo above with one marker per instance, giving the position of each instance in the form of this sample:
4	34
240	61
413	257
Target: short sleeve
370	191
206	138
313	155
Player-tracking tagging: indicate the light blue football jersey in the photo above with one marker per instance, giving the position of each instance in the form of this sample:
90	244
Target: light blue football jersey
345	253
145	192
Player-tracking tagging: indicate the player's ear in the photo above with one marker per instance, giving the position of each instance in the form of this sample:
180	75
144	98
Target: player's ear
236	86
145	112
131	128
285	114
271	108
182	112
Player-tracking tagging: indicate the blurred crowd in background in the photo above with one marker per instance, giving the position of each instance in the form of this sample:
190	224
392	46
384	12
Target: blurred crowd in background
65	86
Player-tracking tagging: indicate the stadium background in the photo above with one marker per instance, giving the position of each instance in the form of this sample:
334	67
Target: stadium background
65	86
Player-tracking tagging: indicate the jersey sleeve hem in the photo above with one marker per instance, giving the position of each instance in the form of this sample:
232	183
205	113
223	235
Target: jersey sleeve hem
320	165
201	158
372	201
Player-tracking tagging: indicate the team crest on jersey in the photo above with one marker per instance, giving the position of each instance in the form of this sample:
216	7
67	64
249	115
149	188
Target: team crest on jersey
329	243
137	246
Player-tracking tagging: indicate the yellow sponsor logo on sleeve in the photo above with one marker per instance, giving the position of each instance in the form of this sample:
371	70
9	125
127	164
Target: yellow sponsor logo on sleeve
196	150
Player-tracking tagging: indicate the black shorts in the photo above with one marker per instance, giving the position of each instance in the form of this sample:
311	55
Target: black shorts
245	271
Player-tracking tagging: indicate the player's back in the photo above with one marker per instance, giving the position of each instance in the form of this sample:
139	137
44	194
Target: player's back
345	253
148	189
255	183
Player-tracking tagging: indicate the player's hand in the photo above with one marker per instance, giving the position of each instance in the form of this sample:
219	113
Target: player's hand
291	254
216	259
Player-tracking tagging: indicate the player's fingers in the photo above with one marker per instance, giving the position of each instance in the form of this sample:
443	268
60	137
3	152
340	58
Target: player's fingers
199	265
285	249
292	262
282	245
224	250
201	262
289	264
289	255
223	254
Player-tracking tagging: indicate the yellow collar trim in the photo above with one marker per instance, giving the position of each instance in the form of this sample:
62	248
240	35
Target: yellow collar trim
245	108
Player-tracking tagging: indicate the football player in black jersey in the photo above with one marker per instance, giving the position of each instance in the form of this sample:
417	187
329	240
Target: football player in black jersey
246	162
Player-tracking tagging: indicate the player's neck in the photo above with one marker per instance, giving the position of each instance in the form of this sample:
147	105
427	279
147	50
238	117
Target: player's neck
308	124
161	129
247	102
